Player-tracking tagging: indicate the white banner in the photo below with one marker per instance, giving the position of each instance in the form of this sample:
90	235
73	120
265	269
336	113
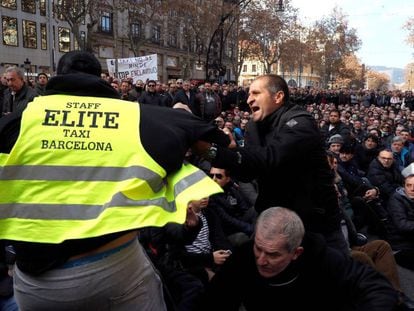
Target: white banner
138	68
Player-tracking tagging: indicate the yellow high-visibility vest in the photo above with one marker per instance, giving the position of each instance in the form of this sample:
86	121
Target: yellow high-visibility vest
79	170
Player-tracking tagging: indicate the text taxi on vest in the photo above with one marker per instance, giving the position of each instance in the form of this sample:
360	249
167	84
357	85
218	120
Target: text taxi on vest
77	123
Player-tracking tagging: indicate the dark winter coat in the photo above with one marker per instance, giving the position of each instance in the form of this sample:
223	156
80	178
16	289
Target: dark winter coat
340	128
24	96
285	154
231	207
401	211
320	279
387	180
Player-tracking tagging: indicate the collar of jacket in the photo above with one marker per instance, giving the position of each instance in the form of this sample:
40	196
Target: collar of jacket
80	84
272	120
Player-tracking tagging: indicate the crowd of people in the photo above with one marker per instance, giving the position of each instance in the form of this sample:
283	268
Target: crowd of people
175	196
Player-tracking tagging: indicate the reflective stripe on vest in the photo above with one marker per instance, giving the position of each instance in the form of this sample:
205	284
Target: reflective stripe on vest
48	172
50	194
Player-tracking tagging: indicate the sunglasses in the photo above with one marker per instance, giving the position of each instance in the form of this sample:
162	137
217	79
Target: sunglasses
151	85
218	176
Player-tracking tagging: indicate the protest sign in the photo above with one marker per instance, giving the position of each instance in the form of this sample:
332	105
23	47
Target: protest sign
137	68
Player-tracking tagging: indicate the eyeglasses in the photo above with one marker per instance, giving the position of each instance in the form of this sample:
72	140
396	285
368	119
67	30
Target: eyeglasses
218	176
151	85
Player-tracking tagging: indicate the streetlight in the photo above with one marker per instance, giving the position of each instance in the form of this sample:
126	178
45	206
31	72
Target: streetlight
214	66
83	36
199	51
27	67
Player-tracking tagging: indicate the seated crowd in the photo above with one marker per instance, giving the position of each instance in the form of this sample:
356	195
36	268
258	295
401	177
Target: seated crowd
370	149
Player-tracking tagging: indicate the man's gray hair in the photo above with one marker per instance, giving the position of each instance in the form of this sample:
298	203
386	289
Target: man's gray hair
17	70
276	221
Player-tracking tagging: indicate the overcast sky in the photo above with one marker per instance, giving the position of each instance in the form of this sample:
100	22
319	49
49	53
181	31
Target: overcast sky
378	23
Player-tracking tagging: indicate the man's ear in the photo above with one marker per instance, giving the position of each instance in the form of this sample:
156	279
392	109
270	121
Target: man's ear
278	97
298	252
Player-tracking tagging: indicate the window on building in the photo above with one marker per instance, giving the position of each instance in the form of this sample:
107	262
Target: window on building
173	13
136	30
172	39
106	22
254	68
43	37
187	41
10	4
156	34
42	7
244	68
29	6
64	39
10	35
29	34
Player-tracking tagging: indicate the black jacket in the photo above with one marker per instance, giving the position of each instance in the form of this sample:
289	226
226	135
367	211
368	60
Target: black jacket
24	96
401	211
231	206
151	98
166	245
166	135
181	97
285	154
340	128
320	279
364	156
387	180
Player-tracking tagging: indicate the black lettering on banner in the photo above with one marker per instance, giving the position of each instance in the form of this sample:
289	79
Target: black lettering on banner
50	116
71	105
76	133
91	119
75	122
76	145
123	75
110	118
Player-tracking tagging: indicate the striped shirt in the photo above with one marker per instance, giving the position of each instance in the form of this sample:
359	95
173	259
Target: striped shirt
201	244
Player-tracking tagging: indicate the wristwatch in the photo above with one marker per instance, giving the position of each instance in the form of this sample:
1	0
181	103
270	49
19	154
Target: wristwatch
211	153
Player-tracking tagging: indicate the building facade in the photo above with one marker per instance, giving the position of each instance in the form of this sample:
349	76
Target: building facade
34	36
295	77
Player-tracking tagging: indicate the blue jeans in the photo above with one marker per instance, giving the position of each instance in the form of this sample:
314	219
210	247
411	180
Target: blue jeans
8	304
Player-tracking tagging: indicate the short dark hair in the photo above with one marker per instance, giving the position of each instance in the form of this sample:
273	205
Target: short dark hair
275	83
347	148
79	62
335	111
42	74
373	137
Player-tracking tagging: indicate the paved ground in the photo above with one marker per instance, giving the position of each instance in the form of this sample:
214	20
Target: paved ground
407	282
406	277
